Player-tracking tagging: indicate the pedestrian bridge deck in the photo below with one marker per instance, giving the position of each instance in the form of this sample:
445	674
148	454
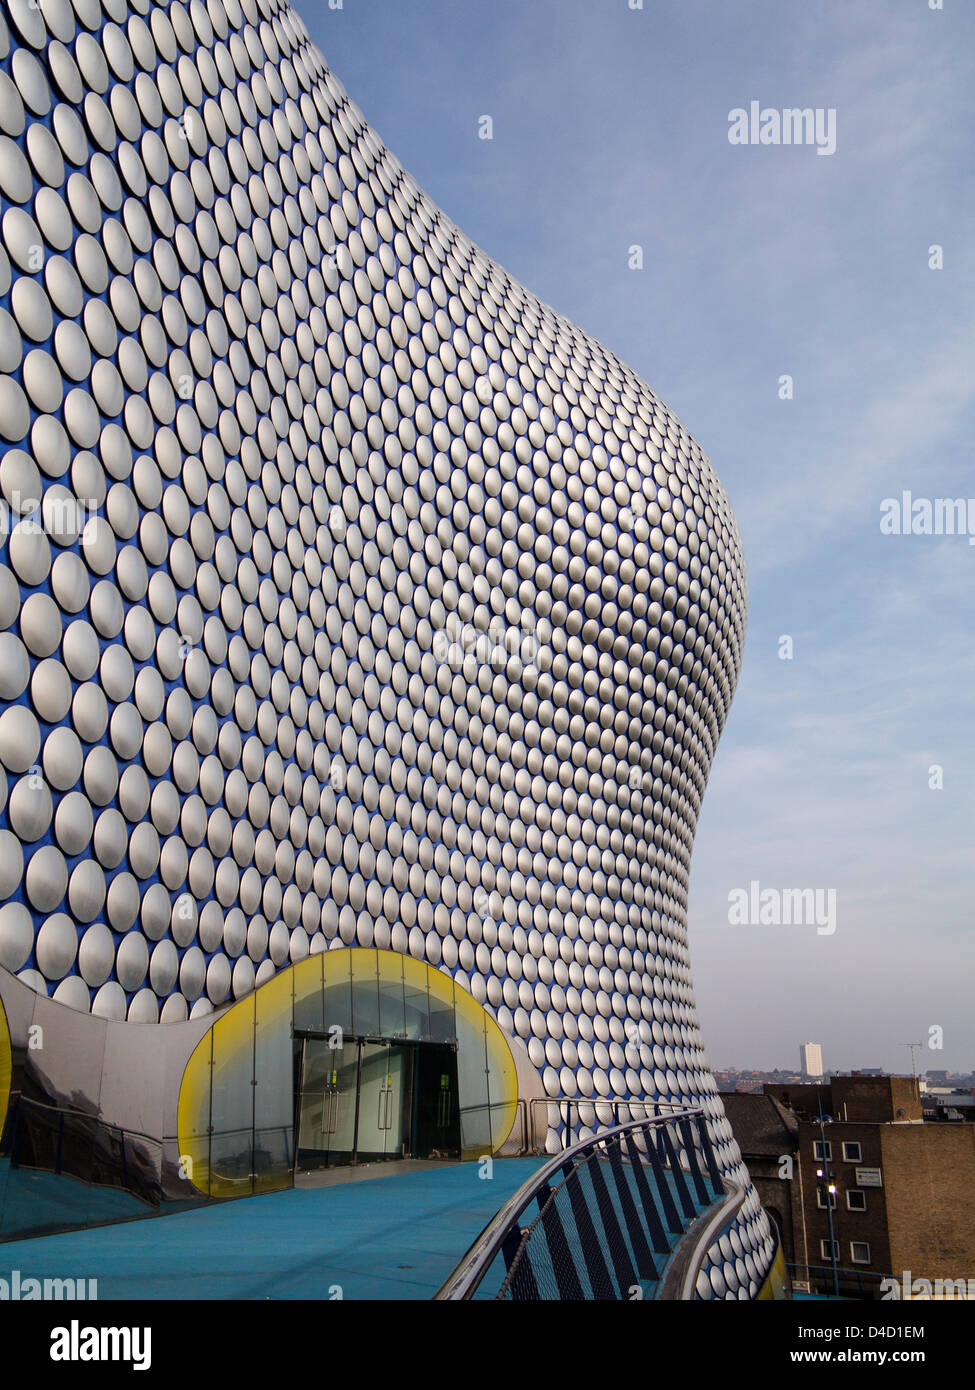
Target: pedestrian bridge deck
392	1236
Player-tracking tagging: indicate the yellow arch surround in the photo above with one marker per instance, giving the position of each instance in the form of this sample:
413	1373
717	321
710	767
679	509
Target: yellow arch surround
776	1285
245	1060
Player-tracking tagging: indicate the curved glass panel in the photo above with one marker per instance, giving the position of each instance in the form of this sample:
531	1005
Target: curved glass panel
375	1055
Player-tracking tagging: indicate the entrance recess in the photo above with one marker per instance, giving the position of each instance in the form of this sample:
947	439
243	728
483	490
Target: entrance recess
348	1055
369	1100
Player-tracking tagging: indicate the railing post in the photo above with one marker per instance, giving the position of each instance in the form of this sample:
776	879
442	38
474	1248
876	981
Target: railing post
520	1278
674	1223
693	1162
645	1265
563	1265
680	1182
619	1255
657	1233
599	1280
709	1158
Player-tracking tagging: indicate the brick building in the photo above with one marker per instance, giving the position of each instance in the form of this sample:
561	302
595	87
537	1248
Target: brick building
903	1191
767	1132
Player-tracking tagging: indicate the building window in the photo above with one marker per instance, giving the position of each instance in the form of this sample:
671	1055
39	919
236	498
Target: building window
829	1249
852	1153
856	1200
859	1252
821	1199
822	1150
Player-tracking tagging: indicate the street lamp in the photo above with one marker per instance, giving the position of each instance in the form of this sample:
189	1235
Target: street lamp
830	1189
830	1192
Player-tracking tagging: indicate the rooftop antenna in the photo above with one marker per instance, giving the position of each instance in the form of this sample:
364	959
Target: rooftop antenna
914	1049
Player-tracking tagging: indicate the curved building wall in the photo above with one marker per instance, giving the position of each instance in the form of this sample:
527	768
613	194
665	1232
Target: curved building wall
349	594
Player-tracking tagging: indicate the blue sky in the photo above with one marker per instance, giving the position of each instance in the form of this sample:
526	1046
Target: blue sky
611	129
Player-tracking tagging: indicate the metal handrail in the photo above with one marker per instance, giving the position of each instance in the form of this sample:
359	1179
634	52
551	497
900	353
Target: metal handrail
812	1274
108	1127
71	1112
499	1233
679	1283
533	1143
70	1143
521	1110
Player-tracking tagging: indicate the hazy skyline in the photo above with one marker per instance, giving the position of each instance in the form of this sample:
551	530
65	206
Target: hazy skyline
611	131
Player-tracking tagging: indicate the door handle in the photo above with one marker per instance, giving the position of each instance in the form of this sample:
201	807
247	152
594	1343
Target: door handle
329	1107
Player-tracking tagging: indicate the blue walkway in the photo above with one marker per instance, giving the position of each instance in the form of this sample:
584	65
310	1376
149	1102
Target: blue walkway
385	1238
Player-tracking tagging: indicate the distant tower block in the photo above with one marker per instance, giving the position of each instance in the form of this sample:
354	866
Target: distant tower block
811	1061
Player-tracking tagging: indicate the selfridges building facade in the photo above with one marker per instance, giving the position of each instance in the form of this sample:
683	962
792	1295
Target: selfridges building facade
367	628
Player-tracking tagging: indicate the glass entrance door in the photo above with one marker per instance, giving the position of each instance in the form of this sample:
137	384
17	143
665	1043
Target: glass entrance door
385	1076
326	1108
355	1102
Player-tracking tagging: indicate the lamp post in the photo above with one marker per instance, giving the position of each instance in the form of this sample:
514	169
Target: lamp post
823	1173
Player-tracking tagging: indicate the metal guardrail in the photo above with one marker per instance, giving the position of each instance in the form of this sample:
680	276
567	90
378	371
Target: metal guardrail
580	1235
108	1160
679	1283
25	1104
534	1119
817	1281
104	1158
52	1139
470	1114
600	1108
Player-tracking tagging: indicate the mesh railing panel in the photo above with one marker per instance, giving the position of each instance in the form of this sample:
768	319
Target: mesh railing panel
605	1225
